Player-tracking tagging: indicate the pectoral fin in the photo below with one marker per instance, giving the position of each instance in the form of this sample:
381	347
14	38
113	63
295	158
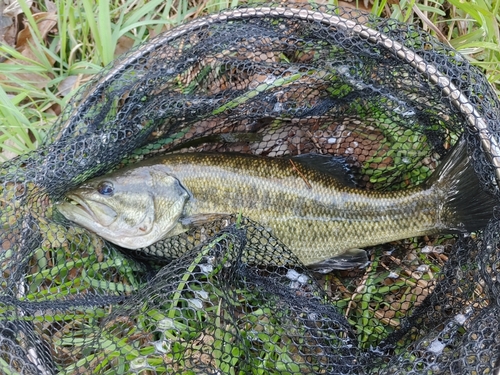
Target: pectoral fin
202	219
353	258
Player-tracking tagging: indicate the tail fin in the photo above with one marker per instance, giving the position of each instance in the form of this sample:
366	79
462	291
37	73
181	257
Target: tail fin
467	206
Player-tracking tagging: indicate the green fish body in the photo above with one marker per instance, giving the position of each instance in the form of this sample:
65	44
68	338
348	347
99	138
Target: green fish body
306	202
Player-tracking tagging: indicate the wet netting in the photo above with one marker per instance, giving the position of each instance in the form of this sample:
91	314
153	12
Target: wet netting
227	297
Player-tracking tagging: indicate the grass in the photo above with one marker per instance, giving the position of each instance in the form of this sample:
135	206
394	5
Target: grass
62	48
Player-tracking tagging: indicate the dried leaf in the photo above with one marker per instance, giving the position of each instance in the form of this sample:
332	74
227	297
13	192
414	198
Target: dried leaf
7	154
14	9
8	27
365	6
7	31
68	84
46	21
123	45
51	6
53	111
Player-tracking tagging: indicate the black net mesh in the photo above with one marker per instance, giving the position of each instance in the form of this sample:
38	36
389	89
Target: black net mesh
229	298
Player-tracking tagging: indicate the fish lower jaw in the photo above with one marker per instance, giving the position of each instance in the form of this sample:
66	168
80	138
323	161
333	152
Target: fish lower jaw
123	238
132	243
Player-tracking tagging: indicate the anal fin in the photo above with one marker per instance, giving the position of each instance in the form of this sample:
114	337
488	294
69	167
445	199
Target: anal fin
354	258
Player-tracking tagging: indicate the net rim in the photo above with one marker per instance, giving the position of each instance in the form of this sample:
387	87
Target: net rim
458	99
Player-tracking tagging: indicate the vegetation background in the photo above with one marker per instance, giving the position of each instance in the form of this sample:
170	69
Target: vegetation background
49	48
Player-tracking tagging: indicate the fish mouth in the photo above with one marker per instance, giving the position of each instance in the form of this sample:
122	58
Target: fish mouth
84	210
81	205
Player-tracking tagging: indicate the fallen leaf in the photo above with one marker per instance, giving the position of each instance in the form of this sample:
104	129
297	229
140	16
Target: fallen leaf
5	152
51	6
46	21
8	28
123	45
8	32
68	84
14	9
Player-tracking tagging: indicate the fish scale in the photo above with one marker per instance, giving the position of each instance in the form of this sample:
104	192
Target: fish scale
316	222
307	203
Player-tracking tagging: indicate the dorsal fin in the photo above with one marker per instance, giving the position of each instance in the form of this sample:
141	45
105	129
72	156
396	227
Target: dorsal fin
335	166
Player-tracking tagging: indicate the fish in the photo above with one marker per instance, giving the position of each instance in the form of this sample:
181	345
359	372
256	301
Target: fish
309	202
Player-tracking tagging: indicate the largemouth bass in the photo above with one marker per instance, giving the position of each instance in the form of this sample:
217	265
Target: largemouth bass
306	202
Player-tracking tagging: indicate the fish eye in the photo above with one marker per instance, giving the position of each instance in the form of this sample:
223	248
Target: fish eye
105	188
